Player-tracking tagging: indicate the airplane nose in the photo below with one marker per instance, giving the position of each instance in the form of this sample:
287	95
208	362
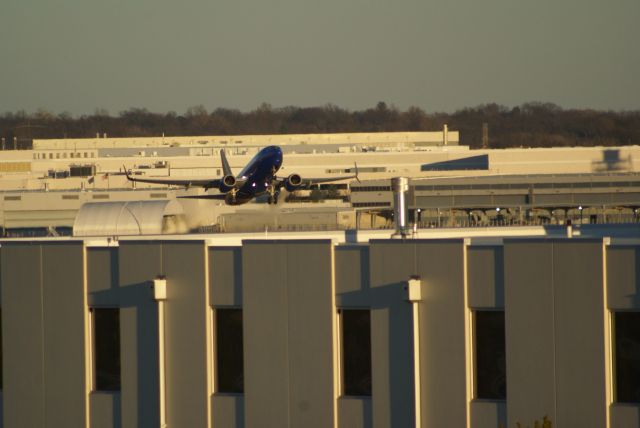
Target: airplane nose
277	154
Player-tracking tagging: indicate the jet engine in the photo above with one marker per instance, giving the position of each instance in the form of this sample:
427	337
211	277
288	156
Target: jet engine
292	182
228	183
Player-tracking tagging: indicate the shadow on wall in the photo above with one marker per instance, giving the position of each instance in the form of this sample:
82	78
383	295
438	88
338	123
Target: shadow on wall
611	161
141	326
480	162
389	301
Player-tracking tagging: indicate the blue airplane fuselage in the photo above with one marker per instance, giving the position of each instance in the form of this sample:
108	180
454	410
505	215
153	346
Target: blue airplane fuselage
257	176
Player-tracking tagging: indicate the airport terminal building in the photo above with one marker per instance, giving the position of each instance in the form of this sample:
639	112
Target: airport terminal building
43	190
456	328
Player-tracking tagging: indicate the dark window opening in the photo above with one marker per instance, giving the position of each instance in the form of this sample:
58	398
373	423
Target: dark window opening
106	339
356	352
627	356
491	366
229	355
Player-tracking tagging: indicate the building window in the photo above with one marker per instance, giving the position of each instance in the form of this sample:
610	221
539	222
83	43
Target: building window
627	356
490	361
356	351
229	351
106	349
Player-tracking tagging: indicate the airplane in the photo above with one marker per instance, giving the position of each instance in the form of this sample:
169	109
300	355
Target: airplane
256	178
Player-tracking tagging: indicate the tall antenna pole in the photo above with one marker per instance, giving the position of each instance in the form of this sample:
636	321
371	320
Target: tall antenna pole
485	135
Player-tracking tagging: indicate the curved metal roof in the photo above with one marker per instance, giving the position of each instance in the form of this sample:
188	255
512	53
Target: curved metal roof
123	218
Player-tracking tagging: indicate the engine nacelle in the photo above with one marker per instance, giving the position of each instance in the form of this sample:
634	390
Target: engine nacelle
292	182
228	183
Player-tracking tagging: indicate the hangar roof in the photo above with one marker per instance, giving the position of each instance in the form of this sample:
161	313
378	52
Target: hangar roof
124	218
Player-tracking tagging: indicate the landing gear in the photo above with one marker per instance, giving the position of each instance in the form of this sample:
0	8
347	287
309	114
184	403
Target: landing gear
232	195
273	195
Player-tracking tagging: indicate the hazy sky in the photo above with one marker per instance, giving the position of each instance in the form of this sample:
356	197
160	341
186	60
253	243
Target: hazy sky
440	55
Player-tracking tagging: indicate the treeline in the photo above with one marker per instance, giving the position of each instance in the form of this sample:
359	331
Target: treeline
528	125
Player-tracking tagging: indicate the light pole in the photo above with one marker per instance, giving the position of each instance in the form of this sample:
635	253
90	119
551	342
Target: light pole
580	209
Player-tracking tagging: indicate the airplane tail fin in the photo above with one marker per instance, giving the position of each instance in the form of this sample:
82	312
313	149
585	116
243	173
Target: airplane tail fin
226	169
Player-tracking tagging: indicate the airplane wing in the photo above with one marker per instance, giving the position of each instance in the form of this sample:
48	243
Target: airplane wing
186	182
218	196
321	180
308	181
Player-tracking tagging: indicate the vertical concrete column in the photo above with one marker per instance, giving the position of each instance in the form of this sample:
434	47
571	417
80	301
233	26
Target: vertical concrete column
579	333
288	314
529	331
44	334
22	335
443	333
265	334
139	262
187	326
65	340
555	325
442	330
392	366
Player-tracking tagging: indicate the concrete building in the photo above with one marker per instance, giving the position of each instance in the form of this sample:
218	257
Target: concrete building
359	139
462	328
96	164
44	188
511	199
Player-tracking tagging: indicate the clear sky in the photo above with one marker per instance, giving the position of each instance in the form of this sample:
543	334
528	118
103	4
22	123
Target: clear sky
440	55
